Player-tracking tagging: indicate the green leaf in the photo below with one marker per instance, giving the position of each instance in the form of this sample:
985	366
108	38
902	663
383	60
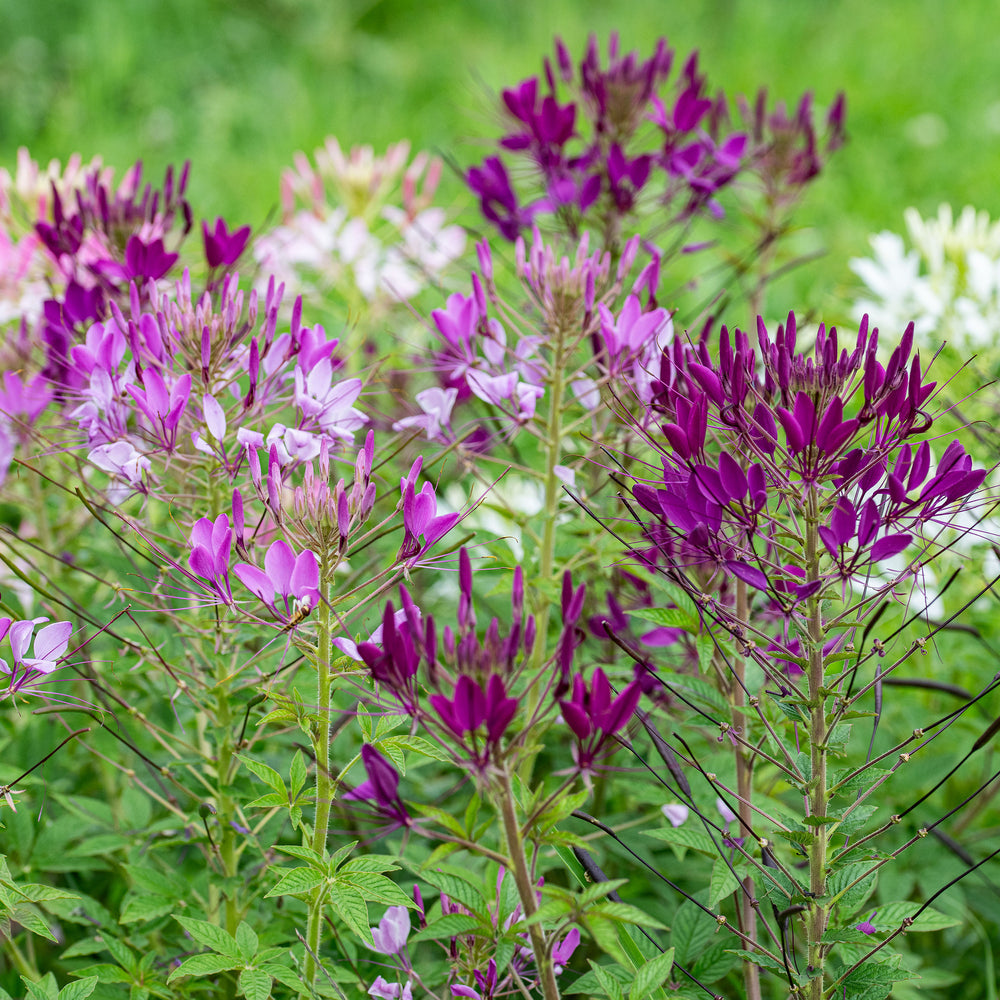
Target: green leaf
78	990
856	820
296	881
303	853
297	775
714	963
104	973
608	983
387	723
370	863
266	773
628	914
889	916
470	896
599	890
146	908
651	975
211	936
691	931
590	984
340	855
203	965
722	885
120	951
376	888
254	984
44	989
417	744
681	838
668	618
450	925
851	899
269	801
352	908
156	883
246	941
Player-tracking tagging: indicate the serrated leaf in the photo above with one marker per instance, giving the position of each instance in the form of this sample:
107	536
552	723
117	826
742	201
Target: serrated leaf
803	837
691	932
628	914
764	962
681	838
370	863
298	851
156	883
266	773
608	983
651	975
450	925
471	897
78	990
44	989
598	891
296	881
104	973
269	801
376	888
862	782
851	899
856	819
889	916
668	618
340	855
203	965
246	941
417	744
722	884
137	992
120	951
285	976
352	908
297	774
254	984
714	963
211	936
387	723
146	908
589	983
33	921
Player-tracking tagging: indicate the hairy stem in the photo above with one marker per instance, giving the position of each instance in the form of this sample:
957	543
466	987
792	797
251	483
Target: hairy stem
525	887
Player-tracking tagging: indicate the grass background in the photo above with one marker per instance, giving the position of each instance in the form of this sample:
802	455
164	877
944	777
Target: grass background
239	87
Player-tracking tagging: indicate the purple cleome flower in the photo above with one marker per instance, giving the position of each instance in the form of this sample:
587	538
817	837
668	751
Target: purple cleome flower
293	578
49	647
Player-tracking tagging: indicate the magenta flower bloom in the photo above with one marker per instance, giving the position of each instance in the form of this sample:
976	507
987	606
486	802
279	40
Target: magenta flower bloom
49	646
382	788
293	578
421	520
471	707
211	543
222	248
594	716
393	929
163	407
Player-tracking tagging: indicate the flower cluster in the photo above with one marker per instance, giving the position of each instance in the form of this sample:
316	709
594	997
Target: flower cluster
767	443
947	281
594	163
343	229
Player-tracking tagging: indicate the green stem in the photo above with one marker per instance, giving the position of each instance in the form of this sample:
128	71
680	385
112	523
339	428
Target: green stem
525	887
321	748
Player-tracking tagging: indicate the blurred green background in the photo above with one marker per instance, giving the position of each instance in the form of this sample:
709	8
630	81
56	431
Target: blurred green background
239	87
